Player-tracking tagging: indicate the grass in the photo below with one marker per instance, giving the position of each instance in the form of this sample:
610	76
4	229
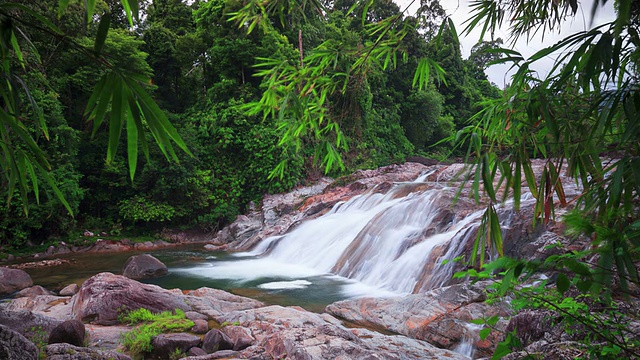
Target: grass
138	340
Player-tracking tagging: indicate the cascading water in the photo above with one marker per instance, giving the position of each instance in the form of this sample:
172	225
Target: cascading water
391	242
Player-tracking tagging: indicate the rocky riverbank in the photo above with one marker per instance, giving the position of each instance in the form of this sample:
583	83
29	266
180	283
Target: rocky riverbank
429	324
226	326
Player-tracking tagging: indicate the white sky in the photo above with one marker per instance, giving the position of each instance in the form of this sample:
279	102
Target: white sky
459	11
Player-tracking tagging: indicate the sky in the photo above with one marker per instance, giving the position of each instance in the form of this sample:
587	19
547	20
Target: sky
459	11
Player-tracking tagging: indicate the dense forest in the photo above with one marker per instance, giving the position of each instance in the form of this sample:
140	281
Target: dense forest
208	76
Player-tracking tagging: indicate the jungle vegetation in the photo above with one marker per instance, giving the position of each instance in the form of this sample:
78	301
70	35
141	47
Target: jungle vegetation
133	116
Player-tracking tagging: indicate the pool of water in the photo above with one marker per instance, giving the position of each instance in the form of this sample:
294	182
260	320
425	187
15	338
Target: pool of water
192	267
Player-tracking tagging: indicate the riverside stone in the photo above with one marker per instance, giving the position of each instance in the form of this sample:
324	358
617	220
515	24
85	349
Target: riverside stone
164	345
144	266
28	323
69	290
33	291
216	340
71	352
104	296
295	333
12	280
70	332
14	346
439	316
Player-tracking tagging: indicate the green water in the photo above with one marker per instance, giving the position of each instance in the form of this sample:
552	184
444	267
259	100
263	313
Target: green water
322	291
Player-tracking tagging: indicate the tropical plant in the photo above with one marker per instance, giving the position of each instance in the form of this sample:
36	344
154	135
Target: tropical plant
119	99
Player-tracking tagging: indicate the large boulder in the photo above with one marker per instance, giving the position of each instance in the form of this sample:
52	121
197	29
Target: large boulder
71	352
70	332
12	280
104	296
144	266
440	316
14	346
292	332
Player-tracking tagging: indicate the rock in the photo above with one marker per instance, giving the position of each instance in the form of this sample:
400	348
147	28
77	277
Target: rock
102	297
106	246
33	291
224	354
216	340
196	351
166	344
105	337
216	303
58	307
438	316
88	233
14	346
144	266
70	332
69	290
145	246
29	324
71	352
12	280
200	326
240	337
294	333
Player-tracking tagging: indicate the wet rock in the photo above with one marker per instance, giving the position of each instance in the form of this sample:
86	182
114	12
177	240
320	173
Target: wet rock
240	337
438	316
12	280
14	346
33	291
28	323
69	290
216	340
144	266
102	297
70	332
144	246
216	303
166	344
71	352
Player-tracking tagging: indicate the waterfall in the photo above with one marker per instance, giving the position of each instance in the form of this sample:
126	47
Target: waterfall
385	241
466	346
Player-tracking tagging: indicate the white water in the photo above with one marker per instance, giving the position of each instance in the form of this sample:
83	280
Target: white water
391	243
466	346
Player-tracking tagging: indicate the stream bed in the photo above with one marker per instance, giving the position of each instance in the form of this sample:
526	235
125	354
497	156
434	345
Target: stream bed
191	267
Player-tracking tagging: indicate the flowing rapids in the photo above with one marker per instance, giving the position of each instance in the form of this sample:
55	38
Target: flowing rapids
391	243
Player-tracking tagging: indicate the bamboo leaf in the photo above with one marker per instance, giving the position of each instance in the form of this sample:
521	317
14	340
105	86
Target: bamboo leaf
101	36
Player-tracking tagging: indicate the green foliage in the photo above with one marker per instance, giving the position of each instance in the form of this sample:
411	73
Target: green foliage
138	208
138	340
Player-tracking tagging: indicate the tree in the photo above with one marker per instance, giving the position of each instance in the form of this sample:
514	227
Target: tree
22	158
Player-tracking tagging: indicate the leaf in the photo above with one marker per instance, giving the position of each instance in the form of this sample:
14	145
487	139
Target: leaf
62	7
562	283
482	334
101	36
